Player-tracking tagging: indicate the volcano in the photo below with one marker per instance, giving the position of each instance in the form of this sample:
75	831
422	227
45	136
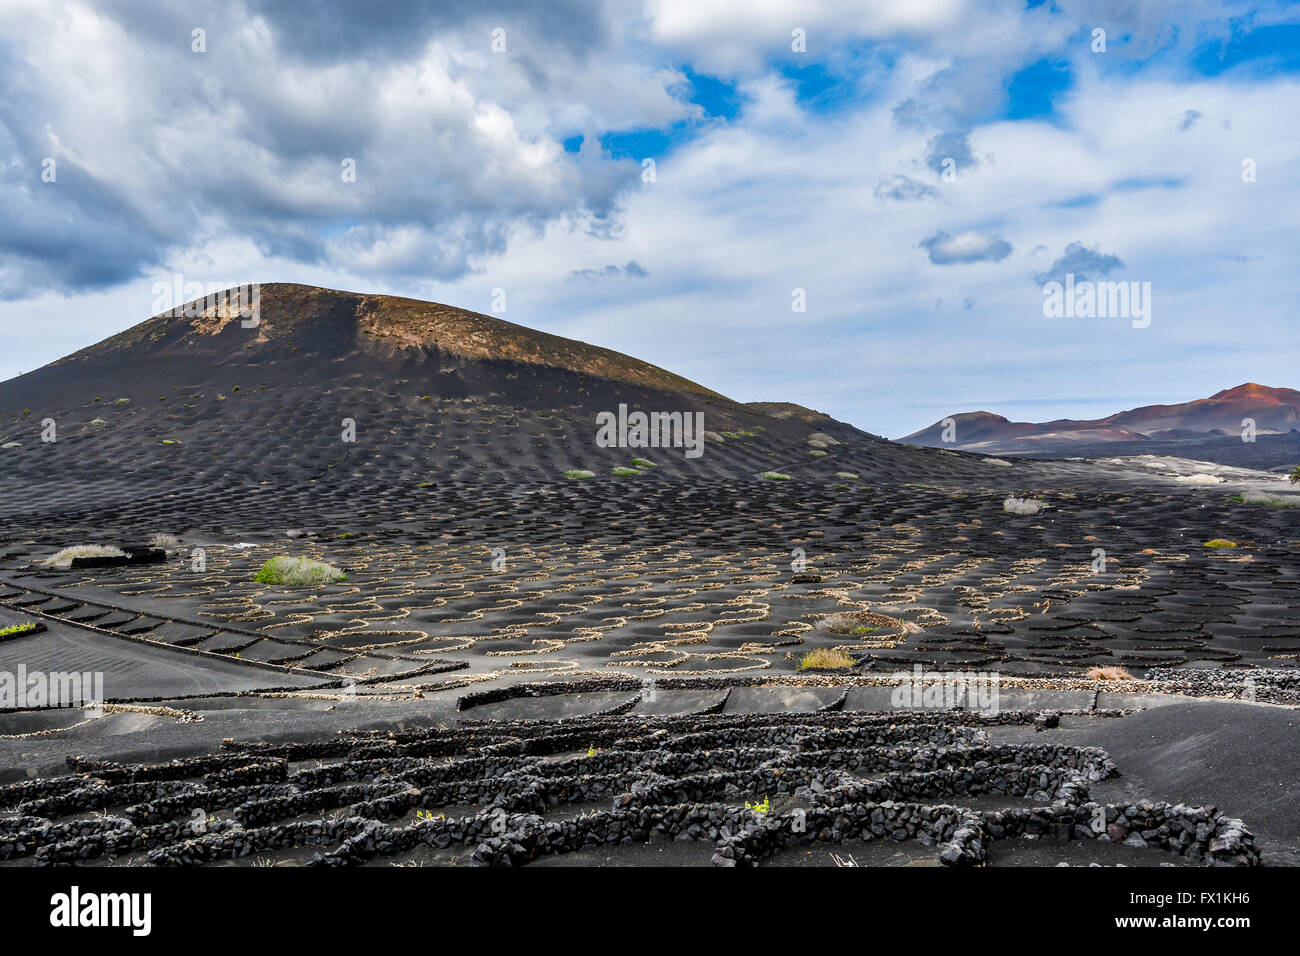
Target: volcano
389	388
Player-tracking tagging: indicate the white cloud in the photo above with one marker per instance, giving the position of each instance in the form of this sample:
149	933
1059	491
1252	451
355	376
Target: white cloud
965	247
161	148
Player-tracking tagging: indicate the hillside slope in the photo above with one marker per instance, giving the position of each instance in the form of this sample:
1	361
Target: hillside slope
426	391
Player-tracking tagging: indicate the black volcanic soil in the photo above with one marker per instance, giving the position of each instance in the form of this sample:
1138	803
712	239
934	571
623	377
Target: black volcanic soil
481	583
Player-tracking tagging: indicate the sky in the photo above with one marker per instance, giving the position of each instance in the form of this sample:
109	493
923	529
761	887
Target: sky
855	206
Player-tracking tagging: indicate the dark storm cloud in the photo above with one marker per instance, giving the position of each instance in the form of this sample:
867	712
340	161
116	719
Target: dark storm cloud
345	29
160	148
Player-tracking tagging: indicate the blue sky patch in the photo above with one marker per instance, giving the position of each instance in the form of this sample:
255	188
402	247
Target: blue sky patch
1267	49
639	143
1032	93
716	97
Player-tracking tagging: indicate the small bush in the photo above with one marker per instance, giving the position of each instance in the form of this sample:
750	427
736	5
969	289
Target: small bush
774	476
817	454
1295	476
1022	506
644	463
165	541
844	622
854	623
847	475
14	630
283	569
1220	543
621	472
63	559
1268	500
579	474
1107	673
833	658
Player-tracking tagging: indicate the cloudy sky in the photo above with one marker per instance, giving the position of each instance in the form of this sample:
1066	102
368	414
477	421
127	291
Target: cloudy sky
918	170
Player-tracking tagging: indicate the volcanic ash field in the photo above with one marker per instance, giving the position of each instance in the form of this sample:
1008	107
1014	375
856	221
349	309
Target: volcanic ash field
673	661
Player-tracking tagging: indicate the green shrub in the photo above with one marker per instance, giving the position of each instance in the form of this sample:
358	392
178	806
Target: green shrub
848	622
774	476
283	569
578	473
833	658
621	472
1268	500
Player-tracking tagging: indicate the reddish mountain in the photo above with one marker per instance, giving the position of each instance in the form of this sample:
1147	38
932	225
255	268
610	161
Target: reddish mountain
1274	410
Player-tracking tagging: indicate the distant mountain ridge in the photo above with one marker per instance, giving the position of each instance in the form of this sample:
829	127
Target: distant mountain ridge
1273	411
